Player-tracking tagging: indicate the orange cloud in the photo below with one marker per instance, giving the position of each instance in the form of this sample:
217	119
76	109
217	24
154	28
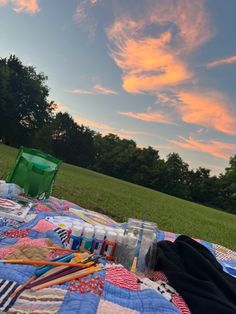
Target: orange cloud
209	109
149	63
216	63
148	116
26	6
215	148
97	89
104	91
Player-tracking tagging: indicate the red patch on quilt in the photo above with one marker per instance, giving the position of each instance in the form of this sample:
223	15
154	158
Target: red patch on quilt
122	278
89	285
17	233
179	302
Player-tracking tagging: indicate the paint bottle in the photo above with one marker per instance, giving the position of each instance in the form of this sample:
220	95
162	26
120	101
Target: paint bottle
98	241
87	238
109	244
75	237
120	251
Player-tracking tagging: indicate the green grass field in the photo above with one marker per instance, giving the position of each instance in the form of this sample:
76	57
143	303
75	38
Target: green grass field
121	200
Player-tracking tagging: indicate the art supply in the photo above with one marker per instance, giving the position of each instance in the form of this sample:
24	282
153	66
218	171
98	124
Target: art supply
145	232
37	262
40	271
58	248
14	208
63	258
62	271
94	218
120	251
87	238
137	250
98	241
79	274
76	237
109	244
22	287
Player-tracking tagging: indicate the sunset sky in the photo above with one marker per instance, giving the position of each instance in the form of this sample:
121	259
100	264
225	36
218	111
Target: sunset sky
162	72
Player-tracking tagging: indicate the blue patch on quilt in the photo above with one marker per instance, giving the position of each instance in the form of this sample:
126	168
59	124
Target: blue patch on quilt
144	301
77	303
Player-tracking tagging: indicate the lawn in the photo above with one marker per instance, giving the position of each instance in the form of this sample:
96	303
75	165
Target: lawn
121	200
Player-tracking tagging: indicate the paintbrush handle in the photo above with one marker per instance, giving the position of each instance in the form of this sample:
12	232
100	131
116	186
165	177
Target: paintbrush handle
70	277
37	262
60	273
61	249
22	287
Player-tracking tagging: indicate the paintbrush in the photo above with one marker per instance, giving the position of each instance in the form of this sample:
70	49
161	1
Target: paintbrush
79	274
40	271
58	248
39	262
62	271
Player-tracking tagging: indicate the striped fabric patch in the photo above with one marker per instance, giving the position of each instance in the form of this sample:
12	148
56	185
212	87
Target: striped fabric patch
6	289
45	301
121	277
62	234
179	302
222	253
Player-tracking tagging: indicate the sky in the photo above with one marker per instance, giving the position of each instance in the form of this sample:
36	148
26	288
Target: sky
161	72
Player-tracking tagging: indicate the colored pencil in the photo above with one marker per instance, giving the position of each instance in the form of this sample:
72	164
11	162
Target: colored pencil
79	274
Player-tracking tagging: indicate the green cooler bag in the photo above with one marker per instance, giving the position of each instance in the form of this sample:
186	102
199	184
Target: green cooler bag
35	172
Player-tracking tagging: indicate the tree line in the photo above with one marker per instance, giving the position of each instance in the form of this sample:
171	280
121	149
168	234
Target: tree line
28	118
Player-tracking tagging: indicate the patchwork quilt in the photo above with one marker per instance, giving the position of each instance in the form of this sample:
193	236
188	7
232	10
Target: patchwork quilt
112	290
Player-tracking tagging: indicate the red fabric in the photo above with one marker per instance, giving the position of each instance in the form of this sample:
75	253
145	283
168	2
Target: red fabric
17	233
91	285
158	275
179	302
122	278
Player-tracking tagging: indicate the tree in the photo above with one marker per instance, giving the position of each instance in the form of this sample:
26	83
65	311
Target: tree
176	176
227	188
24	107
202	186
71	142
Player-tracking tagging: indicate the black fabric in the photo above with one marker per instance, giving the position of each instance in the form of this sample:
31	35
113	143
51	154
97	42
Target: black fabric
196	274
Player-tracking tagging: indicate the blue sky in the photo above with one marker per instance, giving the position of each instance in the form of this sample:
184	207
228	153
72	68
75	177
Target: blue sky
161	72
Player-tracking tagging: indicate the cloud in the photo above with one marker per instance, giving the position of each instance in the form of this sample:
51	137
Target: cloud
219	62
25	6
106	129
93	124
148	116
97	89
84	16
81	91
215	148
104	91
149	63
209	109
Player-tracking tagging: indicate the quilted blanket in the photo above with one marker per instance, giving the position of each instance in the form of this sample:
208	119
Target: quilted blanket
112	290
